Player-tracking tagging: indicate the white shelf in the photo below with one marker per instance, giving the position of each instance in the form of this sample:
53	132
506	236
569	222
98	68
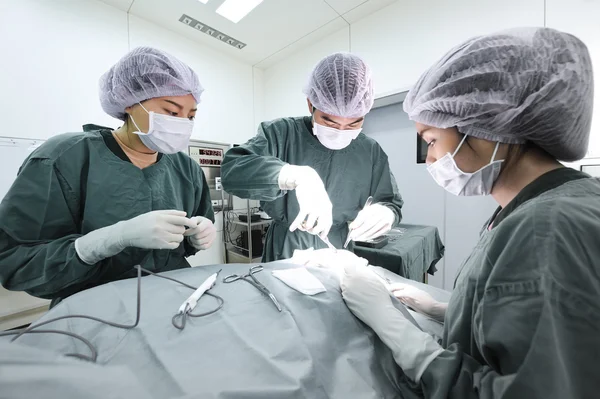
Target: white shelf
261	223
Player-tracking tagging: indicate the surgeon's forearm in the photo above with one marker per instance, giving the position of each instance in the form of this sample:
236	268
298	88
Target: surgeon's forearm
42	270
252	177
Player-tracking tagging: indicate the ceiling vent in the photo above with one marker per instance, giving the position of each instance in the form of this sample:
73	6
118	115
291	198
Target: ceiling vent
212	32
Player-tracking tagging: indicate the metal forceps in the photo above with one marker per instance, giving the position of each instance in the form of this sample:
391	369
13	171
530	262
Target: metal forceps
368	203
250	279
329	244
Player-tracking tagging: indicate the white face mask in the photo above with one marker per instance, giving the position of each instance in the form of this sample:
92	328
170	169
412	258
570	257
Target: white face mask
332	138
447	174
166	134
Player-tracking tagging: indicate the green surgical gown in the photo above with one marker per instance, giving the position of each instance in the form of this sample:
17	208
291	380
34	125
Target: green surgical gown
350	176
74	184
524	317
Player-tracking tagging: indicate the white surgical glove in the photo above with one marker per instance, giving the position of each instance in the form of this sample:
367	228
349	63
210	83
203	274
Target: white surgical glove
152	230
373	221
370	301
419	300
316	211
332	260
203	234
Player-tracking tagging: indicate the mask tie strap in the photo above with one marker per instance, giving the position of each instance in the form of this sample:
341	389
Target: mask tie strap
133	120
136	126
495	151
460	145
144	108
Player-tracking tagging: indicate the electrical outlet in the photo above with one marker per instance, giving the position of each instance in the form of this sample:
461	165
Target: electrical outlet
218	185
219	203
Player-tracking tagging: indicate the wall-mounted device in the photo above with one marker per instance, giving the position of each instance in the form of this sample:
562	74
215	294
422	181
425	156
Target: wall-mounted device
209	155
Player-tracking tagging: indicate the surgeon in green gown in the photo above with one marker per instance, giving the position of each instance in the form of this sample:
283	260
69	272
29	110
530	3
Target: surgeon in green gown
86	208
498	113
314	174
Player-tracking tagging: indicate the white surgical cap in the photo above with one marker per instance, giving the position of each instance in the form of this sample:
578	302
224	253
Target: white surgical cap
341	85
143	74
522	85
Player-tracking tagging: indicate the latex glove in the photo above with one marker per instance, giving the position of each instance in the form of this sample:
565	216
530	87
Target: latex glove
316	211
419	300
333	261
373	221
203	234
369	300
152	230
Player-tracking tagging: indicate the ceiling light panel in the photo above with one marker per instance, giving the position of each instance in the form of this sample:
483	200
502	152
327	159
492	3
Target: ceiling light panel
235	10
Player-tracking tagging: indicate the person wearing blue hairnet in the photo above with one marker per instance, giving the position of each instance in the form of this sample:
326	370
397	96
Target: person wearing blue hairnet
314	174
85	208
498	113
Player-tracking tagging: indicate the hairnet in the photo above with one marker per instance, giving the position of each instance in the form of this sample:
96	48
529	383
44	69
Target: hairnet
528	84
341	85
142	74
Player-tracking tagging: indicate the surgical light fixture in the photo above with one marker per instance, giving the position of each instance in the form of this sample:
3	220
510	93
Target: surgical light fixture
235	10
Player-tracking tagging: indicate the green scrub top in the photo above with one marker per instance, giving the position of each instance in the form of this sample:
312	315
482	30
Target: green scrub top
350	176
524	317
79	182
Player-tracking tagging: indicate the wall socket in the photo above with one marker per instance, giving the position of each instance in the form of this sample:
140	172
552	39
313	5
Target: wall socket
219	203
218	185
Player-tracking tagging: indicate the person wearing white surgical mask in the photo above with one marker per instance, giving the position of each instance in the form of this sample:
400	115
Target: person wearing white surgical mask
87	207
468	168
314	174
499	112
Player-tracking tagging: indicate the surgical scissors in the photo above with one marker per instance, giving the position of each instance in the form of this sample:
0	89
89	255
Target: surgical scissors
250	279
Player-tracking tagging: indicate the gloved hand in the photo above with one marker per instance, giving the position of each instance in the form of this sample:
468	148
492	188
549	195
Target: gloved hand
334	261
373	221
152	230
369	300
419	300
202	235
315	216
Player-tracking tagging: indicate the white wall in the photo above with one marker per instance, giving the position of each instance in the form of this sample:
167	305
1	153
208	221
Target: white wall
402	40
259	96
59	49
284	81
53	53
399	42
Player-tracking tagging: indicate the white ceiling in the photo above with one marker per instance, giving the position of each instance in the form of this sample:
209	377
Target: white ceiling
272	30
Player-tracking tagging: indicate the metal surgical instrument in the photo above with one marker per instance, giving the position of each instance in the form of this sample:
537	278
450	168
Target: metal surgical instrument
368	203
250	279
